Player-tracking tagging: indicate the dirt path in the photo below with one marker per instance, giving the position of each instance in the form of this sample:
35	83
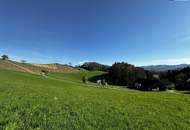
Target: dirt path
172	91
88	84
21	67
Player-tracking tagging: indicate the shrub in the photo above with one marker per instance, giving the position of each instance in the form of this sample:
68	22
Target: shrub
84	79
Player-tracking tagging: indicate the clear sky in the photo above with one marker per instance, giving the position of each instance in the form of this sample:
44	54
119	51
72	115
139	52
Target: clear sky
141	32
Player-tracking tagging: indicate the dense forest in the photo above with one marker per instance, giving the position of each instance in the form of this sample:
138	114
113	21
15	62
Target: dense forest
127	75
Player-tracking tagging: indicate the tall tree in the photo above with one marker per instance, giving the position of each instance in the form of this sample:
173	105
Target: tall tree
4	57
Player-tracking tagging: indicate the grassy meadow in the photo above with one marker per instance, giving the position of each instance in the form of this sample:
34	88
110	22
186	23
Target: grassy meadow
60	101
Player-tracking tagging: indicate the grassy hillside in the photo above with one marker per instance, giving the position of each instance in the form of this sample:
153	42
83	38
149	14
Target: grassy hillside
76	77
51	68
4	64
34	102
36	68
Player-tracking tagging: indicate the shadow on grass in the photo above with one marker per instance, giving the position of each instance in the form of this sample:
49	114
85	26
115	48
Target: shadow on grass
98	77
186	93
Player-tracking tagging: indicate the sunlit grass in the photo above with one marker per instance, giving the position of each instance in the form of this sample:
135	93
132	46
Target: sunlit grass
35	102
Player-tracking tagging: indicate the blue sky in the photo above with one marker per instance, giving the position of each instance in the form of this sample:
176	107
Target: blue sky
141	32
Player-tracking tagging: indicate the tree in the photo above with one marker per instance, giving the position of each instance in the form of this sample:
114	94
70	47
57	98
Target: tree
5	57
84	79
140	73
123	74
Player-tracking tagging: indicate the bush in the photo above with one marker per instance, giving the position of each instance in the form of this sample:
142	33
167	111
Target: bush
84	79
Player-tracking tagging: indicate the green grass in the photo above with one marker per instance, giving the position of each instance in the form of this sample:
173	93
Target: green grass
75	77
33	102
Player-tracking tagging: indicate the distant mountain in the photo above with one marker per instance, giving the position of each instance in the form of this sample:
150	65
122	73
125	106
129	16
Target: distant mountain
165	67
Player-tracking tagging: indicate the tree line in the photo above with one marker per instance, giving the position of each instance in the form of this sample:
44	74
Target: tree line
127	75
94	66
181	78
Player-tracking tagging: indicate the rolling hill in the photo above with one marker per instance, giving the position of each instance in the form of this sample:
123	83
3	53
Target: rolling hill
36	68
165	67
61	102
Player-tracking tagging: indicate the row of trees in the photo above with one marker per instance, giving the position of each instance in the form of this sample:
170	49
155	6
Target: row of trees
125	74
181	78
93	66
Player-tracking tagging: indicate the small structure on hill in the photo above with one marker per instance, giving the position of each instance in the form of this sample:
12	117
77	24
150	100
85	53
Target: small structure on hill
99	82
150	85
156	76
102	82
44	72
138	85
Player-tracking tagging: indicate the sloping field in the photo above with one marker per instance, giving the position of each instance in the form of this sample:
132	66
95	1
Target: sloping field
50	67
31	102
75	77
36	68
4	64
